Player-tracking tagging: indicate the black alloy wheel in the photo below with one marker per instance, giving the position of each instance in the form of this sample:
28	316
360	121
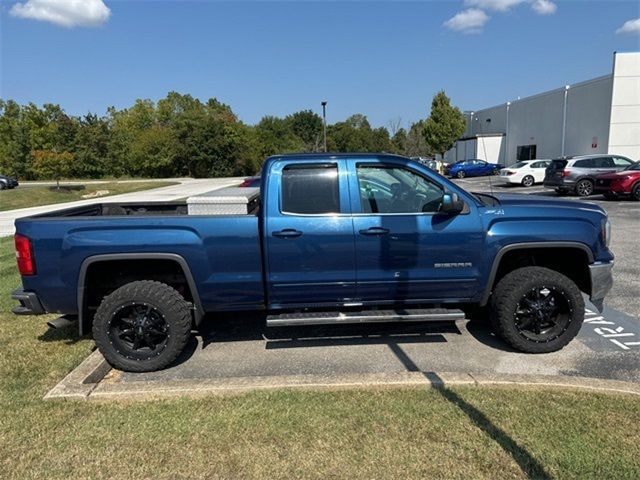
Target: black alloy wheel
138	331
542	314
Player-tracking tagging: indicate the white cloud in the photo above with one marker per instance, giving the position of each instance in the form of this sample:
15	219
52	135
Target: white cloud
66	13
630	26
468	21
496	5
544	7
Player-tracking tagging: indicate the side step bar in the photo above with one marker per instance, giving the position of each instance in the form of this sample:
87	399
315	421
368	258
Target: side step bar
366	316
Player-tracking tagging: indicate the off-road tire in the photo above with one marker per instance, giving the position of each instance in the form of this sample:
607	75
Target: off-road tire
510	290
175	310
528	181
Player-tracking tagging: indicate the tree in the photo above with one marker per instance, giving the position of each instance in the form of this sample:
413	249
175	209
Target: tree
415	144
307	126
52	165
444	125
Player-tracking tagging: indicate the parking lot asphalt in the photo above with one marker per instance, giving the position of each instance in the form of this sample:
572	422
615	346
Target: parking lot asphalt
239	346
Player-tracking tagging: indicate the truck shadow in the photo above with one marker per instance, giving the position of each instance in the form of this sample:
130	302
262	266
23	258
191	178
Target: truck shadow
253	328
528	464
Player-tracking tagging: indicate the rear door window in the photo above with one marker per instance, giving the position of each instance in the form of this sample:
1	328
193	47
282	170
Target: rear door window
310	189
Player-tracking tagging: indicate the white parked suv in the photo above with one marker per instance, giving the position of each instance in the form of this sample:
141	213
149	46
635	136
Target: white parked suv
525	173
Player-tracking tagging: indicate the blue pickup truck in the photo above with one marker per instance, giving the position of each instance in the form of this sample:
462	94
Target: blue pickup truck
344	238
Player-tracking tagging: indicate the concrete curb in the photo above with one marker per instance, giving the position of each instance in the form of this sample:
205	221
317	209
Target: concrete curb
79	384
94	380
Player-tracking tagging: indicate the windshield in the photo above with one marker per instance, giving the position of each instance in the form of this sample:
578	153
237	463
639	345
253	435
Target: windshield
633	166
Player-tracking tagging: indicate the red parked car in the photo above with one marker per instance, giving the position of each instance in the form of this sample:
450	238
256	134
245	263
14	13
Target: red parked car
623	183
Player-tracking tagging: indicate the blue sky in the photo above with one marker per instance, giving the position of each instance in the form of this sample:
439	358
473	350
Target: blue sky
382	59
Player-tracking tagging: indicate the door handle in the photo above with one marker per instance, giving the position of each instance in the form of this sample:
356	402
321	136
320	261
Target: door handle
374	231
287	233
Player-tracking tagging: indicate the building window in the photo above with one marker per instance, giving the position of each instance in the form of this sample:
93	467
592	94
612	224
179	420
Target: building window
526	152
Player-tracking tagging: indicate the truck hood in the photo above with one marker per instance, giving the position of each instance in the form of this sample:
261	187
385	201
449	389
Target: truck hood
536	201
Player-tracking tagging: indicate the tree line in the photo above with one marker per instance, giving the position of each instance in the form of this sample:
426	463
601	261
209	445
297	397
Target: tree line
180	135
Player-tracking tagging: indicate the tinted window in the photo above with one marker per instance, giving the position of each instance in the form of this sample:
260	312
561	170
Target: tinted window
518	165
558	164
310	189
586	163
604	162
396	190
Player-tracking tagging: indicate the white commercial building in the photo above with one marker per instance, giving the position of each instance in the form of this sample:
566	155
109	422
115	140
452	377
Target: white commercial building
601	115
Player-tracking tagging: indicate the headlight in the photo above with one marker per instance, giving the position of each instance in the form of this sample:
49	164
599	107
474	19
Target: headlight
606	233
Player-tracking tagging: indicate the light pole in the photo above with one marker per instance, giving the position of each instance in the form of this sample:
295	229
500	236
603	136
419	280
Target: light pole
324	123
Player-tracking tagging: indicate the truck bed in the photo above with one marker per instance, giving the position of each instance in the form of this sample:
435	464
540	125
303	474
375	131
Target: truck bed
119	210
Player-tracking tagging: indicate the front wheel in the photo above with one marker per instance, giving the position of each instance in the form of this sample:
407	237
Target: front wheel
142	326
537	310
460	174
635	192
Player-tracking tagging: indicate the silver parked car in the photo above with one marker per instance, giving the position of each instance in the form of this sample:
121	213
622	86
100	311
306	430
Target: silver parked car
577	174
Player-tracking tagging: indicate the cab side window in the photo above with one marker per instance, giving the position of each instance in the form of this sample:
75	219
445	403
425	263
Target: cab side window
391	189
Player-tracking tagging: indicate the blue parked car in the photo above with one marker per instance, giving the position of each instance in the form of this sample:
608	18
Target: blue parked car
473	168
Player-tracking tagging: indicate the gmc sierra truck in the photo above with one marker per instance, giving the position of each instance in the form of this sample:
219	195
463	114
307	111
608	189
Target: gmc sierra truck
334	239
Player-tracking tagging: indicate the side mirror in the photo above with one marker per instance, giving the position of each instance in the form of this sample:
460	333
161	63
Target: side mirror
451	204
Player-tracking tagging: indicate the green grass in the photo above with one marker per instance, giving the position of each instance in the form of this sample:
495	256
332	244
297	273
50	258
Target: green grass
399	433
32	196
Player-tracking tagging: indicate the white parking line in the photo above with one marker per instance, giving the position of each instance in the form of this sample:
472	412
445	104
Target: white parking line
610	333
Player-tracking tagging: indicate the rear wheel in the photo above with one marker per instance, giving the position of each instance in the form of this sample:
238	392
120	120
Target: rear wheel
635	192
584	188
2	186
528	181
537	310
142	326
460	174
496	171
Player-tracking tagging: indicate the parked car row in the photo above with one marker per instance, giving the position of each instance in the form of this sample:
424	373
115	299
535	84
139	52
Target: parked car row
581	174
7	182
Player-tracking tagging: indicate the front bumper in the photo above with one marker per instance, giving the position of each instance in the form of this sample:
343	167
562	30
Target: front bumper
29	303
601	282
